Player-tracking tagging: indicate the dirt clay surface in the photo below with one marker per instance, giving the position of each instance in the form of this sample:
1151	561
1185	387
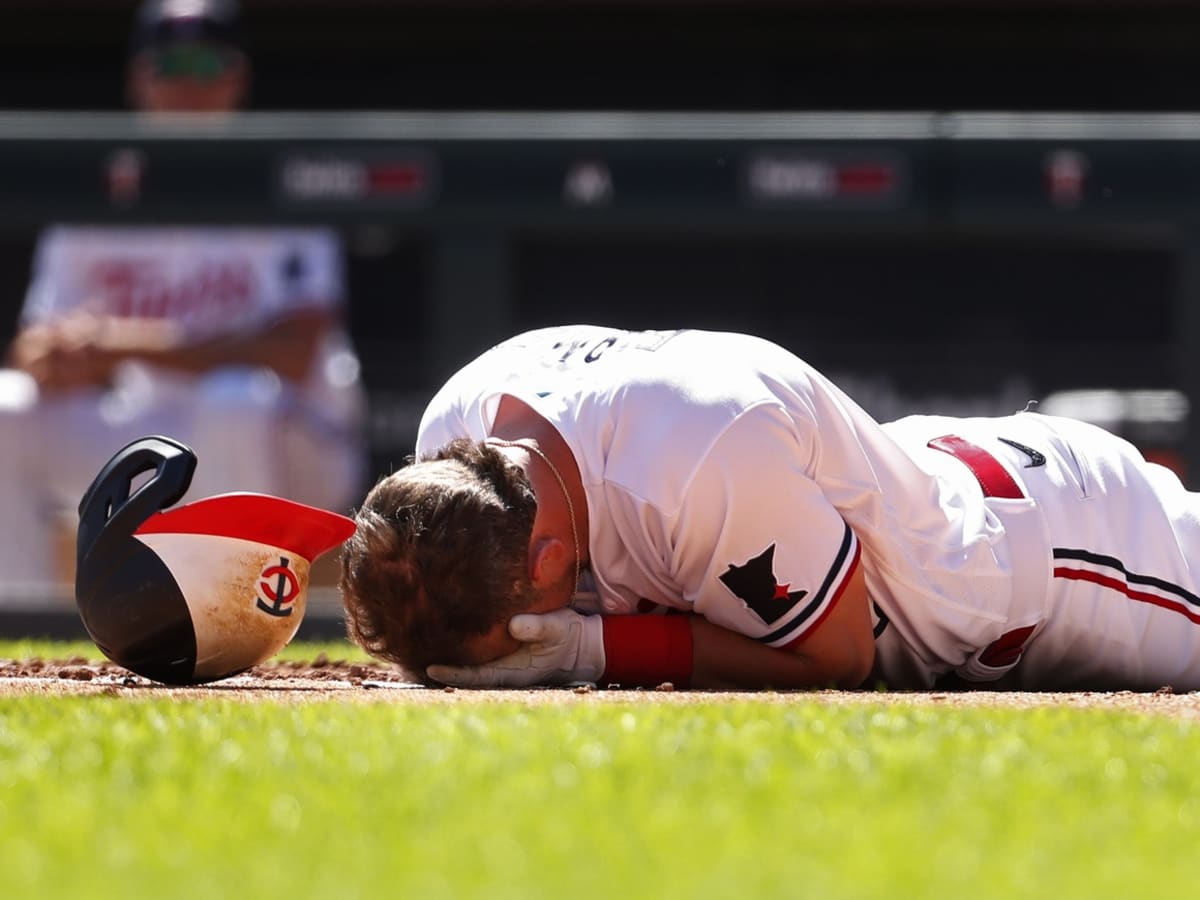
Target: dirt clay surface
324	680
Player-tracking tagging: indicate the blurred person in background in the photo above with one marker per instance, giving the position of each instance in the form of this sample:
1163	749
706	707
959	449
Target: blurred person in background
188	56
230	339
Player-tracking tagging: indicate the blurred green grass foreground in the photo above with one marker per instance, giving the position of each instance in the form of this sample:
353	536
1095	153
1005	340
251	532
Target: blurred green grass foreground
113	796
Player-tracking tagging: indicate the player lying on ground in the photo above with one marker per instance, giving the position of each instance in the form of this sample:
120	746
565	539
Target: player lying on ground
719	475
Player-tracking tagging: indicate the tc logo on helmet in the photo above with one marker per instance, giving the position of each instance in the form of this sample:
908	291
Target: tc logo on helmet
277	588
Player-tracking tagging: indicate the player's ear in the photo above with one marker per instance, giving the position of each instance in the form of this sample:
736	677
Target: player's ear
548	557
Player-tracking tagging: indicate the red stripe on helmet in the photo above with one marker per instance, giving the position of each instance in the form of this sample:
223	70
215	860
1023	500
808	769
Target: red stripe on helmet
304	530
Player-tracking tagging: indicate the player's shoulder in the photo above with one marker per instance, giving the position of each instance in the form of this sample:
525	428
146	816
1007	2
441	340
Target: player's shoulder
658	450
724	372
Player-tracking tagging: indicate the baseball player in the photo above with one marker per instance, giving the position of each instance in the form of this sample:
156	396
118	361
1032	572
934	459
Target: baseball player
580	470
230	339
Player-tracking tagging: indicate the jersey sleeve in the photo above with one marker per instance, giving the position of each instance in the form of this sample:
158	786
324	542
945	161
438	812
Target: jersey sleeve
758	546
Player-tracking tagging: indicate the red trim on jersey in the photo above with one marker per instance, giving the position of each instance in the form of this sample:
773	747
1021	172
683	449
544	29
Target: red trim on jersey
991	475
301	529
837	595
1006	649
1118	585
646	651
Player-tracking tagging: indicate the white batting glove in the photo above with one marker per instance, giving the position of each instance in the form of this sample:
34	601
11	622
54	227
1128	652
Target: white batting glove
559	647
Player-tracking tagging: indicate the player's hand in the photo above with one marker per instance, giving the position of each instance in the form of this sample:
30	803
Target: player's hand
559	647
31	349
67	353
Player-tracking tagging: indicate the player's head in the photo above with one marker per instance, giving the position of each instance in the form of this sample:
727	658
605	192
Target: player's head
188	56
439	561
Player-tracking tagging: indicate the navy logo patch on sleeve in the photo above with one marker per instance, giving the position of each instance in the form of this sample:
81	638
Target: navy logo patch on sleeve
755	585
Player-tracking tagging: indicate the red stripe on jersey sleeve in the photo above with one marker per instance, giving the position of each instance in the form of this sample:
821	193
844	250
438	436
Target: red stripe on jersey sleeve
837	595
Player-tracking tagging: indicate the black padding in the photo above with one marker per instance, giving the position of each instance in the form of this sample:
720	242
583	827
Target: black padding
108	513
138	617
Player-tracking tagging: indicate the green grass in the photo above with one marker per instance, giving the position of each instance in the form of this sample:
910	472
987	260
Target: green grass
107	796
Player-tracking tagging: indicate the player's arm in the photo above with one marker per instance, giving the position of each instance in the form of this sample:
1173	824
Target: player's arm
762	552
839	652
83	349
288	345
687	651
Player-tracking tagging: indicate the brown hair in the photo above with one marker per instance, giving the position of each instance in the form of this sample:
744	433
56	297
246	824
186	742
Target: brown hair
439	555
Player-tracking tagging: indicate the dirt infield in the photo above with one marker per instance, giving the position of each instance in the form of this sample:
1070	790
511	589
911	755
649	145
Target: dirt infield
331	680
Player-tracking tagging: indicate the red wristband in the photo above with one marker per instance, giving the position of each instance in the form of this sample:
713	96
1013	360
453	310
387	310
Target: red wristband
646	651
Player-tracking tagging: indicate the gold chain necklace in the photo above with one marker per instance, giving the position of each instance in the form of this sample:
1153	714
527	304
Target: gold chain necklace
532	448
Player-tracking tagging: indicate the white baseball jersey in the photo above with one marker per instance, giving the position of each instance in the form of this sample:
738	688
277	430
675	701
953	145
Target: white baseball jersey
725	476
209	281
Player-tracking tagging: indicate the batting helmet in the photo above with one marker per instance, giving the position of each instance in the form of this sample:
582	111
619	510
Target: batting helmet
199	592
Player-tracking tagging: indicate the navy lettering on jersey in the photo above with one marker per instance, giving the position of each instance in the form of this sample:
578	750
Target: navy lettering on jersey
566	350
596	351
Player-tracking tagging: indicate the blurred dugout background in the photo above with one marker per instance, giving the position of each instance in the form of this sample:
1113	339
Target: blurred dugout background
826	173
